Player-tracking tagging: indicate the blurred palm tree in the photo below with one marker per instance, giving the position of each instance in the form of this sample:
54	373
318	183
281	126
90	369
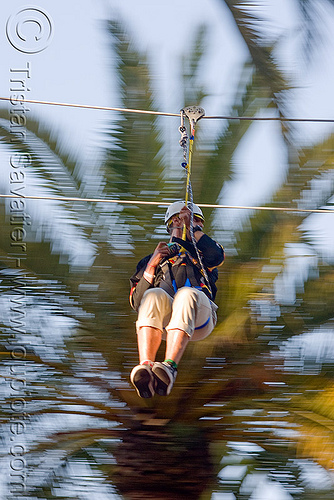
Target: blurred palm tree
235	387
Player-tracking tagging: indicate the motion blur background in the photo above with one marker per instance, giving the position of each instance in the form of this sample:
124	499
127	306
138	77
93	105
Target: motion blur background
251	413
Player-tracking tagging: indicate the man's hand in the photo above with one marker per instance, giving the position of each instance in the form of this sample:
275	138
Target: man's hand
161	251
185	216
179	221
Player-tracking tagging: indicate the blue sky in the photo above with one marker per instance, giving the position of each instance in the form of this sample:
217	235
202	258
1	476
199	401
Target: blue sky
77	67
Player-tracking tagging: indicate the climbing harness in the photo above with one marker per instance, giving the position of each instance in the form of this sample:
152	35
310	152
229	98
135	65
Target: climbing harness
193	113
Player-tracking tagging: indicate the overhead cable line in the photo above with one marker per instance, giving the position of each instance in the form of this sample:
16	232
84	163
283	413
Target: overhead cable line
157	203
89	106
163	113
166	203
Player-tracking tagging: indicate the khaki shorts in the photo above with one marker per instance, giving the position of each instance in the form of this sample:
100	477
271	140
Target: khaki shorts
189	310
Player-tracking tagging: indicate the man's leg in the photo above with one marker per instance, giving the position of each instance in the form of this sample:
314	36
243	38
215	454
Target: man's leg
165	373
191	311
177	341
179	331
154	311
149	340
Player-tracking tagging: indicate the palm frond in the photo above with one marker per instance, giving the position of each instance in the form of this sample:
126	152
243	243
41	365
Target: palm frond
311	25
250	27
214	167
193	88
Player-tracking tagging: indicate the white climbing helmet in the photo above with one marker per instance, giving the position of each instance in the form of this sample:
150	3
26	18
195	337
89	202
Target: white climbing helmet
175	208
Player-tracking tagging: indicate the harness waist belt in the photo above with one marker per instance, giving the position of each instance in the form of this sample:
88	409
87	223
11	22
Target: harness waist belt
204	324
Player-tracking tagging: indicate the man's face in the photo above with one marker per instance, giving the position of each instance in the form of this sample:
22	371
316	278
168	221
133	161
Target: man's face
198	221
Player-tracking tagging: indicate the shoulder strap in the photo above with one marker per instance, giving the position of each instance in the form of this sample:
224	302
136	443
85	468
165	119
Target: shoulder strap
199	280
167	282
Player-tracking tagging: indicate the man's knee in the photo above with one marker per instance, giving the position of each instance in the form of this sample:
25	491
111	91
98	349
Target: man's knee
186	295
154	299
154	309
153	295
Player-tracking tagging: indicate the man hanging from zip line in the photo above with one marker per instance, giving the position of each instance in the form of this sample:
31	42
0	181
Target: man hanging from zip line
173	293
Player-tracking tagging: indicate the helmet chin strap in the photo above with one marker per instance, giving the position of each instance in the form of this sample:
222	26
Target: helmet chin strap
172	227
